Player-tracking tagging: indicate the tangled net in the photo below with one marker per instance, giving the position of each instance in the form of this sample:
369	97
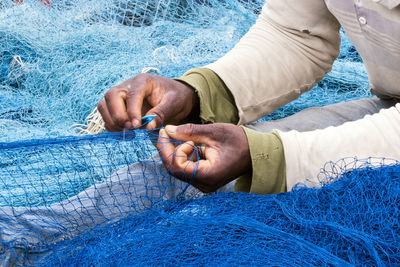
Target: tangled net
111	203
58	60
106	200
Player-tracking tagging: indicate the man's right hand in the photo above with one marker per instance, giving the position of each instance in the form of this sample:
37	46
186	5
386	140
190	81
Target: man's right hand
146	94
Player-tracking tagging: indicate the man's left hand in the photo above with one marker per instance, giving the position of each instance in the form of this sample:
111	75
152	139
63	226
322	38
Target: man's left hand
224	153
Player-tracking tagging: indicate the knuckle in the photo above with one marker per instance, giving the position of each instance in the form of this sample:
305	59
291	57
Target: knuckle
160	114
132	93
101	106
218	131
143	78
189	129
120	120
182	165
109	126
174	170
168	165
109	94
131	112
113	92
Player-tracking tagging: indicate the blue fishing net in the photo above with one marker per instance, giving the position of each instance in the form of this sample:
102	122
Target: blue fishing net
56	62
107	200
354	221
43	172
57	189
108	203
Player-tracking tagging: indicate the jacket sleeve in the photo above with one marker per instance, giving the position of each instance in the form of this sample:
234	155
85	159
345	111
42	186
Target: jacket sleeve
306	153
290	48
216	101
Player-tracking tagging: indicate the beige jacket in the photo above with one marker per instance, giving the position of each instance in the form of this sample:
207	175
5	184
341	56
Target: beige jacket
291	47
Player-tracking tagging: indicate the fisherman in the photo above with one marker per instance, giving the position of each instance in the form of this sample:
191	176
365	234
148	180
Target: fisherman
290	48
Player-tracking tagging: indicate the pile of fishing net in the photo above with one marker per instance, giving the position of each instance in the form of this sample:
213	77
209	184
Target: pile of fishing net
106	200
354	221
103	201
58	60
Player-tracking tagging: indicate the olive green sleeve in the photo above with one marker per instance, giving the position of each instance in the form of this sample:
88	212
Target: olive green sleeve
266	150
268	163
216	101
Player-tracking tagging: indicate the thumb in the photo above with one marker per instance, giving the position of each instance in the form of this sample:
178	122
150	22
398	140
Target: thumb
162	111
158	120
200	134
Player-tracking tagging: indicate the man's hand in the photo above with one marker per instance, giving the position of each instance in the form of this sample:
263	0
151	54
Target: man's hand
125	104
224	154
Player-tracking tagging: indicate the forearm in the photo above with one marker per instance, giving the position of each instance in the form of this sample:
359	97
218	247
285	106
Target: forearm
280	160
290	48
307	152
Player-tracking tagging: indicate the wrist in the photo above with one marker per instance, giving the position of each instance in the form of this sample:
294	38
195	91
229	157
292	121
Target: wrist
194	113
244	149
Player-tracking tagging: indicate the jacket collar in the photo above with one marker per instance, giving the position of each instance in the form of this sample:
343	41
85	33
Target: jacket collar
389	3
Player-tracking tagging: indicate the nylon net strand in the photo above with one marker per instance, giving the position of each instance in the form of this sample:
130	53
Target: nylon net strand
56	62
106	200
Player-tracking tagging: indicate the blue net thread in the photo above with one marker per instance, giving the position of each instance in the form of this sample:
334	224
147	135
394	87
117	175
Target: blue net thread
354	221
55	65
65	57
133	215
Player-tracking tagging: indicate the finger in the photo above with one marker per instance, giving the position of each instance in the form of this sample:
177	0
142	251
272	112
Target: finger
165	148
201	151
164	142
182	154
158	120
183	165
115	100
192	152
196	154
105	114
200	134
175	159
162	111
134	103
145	107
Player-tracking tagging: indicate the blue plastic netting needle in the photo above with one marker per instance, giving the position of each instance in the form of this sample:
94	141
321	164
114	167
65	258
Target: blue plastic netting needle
147	119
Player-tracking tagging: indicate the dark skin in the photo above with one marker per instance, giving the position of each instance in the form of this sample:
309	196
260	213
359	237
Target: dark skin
124	105
224	152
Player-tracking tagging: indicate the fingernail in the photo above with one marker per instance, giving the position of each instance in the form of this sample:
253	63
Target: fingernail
162	132
135	123
171	129
151	125
190	143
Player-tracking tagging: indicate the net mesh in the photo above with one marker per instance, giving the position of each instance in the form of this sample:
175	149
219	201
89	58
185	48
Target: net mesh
351	222
56	189
107	200
109	203
65	56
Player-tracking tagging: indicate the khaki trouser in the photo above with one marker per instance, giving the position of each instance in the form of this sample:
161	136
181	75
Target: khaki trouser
321	117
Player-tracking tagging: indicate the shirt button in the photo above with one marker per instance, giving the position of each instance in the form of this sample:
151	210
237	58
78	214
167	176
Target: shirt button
362	20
